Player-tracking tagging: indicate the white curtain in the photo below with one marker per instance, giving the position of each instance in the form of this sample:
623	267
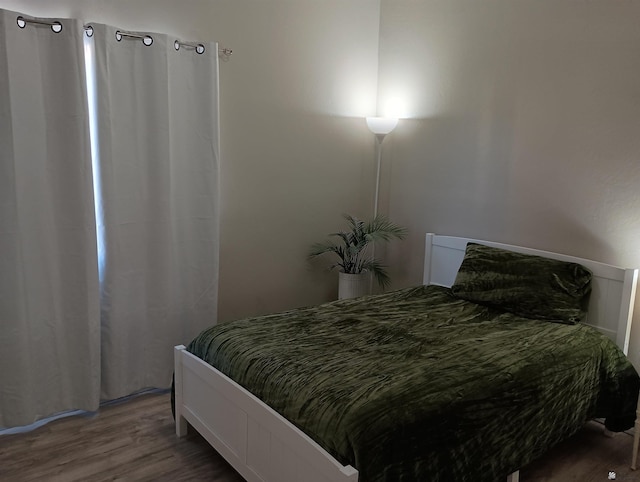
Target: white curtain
49	301
89	314
157	130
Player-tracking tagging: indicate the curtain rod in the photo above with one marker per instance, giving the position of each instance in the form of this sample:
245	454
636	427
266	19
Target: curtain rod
22	23
223	52
147	39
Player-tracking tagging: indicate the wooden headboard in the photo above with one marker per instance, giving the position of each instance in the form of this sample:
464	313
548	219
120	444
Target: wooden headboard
613	288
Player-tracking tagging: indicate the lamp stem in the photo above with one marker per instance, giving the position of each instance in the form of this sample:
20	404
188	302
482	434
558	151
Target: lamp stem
379	139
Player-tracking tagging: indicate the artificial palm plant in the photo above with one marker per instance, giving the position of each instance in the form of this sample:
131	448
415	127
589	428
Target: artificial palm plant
351	246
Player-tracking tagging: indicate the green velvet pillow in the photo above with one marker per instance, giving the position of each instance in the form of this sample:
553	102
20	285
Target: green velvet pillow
525	285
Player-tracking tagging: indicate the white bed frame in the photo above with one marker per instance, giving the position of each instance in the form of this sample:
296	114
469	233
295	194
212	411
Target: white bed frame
264	447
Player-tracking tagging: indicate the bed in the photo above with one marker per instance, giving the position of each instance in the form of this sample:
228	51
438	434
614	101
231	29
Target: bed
422	383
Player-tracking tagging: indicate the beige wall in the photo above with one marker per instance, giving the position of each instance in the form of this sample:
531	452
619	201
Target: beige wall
522	126
296	152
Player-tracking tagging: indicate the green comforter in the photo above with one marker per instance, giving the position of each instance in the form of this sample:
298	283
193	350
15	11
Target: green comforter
417	385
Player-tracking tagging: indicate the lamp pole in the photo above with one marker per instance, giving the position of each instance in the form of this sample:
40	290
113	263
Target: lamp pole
380	126
379	139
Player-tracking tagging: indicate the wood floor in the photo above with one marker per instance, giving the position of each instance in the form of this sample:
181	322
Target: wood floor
135	441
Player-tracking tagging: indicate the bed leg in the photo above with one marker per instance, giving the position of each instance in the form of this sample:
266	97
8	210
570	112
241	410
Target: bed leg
636	437
636	442
181	422
181	426
515	477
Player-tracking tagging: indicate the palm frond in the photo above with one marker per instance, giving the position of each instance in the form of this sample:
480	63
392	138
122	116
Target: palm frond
381	229
344	236
321	248
379	272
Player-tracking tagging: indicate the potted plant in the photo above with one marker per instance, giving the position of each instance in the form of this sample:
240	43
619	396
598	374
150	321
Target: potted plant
355	262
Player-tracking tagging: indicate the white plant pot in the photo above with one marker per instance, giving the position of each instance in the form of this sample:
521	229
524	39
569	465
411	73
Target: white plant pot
353	285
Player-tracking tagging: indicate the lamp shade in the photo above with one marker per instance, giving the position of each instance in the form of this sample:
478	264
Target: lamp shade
381	125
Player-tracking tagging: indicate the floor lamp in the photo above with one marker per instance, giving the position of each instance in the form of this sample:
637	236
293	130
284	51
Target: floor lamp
380	126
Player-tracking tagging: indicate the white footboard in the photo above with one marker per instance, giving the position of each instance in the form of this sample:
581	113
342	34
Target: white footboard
257	441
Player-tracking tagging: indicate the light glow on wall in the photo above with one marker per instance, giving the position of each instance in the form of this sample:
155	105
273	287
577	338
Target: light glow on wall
395	106
359	100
